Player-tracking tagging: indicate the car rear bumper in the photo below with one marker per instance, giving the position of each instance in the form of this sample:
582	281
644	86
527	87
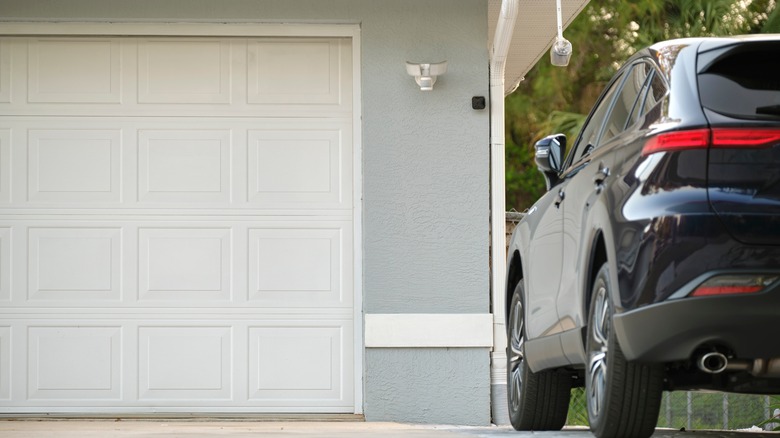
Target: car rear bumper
672	330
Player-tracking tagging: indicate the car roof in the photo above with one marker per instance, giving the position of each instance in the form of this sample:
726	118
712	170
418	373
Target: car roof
668	49
712	42
666	54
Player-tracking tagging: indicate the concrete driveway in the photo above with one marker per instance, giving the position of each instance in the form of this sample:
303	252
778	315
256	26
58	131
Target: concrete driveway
240	429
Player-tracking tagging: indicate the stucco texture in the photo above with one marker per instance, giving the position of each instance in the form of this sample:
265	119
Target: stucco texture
428	385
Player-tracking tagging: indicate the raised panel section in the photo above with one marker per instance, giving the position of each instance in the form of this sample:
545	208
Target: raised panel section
304	71
184	71
298	168
5	71
185	363
297	267
184	165
74	71
74	363
5	363
74	165
5	165
5	264
296	364
74	264
184	265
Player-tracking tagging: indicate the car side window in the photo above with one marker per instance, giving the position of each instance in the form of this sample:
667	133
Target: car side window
589	134
624	103
657	91
587	140
636	111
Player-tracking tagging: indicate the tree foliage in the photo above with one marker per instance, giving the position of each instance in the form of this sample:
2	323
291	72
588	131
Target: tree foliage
604	35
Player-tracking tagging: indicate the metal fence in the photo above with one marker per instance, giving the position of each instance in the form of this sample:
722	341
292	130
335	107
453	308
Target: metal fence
695	410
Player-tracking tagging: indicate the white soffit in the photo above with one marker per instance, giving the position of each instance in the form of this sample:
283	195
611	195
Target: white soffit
534	33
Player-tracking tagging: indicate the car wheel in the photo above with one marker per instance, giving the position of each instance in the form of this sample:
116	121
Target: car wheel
623	397
537	401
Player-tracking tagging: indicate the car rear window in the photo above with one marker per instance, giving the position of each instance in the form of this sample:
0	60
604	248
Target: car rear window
742	81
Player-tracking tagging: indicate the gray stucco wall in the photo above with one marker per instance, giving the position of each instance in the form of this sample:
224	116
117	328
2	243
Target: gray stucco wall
429	385
425	174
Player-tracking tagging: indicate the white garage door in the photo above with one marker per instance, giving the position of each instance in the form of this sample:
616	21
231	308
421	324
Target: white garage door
176	225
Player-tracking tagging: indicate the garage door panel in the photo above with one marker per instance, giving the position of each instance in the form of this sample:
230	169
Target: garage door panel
302	264
74	265
184	71
5	363
184	363
123	362
185	265
5	264
299	364
303	164
54	77
302	71
5	71
300	167
184	165
74	363
266	77
74	165
299	267
5	166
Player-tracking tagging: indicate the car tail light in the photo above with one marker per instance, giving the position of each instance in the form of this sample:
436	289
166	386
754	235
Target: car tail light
750	138
677	140
716	137
734	284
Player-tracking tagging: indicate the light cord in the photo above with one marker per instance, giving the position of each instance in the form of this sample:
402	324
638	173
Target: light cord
560	24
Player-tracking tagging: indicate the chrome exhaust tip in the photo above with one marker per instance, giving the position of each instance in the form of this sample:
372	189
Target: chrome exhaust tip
713	362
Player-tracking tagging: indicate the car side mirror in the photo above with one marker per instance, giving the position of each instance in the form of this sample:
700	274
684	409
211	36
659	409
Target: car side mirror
549	157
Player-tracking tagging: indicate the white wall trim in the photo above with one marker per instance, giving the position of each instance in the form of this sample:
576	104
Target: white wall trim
429	330
357	214
177	29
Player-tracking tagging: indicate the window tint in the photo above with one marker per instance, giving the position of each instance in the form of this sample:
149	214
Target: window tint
654	95
633	87
657	92
743	81
636	110
592	128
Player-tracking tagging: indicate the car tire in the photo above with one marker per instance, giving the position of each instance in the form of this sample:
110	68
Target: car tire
537	401
623	397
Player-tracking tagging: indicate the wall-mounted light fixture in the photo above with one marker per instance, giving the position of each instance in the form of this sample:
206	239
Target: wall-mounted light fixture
425	73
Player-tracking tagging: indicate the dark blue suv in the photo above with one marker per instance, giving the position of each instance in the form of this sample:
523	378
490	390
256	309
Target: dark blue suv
652	263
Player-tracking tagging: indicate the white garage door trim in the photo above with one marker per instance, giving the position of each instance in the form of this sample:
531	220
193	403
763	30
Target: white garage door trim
180	29
246	30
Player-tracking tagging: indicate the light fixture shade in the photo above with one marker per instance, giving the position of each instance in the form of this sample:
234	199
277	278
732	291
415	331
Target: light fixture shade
425	82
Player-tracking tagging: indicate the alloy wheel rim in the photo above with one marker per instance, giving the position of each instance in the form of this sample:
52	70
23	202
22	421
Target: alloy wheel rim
516	363
597	363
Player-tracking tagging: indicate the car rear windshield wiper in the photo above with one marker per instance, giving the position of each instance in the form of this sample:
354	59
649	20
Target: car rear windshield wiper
770	110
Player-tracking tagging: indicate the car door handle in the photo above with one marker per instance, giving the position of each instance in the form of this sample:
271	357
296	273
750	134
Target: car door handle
601	175
559	199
